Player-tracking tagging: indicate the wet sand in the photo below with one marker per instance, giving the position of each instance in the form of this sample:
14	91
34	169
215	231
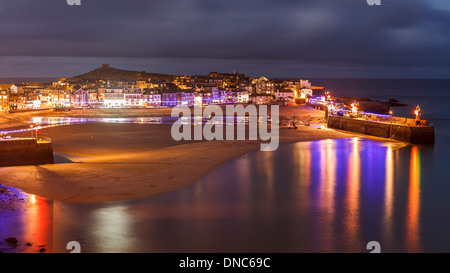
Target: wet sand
102	162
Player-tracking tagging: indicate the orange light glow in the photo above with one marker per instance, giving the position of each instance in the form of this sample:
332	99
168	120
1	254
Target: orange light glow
39	226
352	197
327	187
33	199
413	238
389	194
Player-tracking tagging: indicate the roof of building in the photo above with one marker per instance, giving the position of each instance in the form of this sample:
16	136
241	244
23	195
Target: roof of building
260	95
285	90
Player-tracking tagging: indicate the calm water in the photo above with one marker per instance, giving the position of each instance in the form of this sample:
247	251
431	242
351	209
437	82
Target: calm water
432	95
320	196
332	196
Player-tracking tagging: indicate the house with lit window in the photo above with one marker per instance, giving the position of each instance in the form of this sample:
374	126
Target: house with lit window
306	92
17	102
59	96
261	98
230	96
169	98
220	96
264	86
284	95
186	98
85	97
133	97
242	97
4	100
94	97
152	97
114	97
206	97
80	98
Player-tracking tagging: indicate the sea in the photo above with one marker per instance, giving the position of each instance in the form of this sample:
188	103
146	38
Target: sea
25	80
321	196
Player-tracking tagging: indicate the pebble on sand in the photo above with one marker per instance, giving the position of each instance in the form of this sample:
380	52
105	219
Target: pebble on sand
12	241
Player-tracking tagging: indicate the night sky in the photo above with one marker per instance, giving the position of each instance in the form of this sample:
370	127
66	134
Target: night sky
287	38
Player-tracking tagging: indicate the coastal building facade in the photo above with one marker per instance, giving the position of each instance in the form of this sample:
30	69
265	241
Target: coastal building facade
261	98
143	91
152	97
169	99
285	95
4	100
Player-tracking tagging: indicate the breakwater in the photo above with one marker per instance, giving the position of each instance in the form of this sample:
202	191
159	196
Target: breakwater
405	131
25	151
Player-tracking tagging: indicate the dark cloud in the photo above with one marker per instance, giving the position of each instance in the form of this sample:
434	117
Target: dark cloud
347	35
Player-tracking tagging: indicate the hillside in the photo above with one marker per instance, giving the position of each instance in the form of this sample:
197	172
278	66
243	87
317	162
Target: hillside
105	72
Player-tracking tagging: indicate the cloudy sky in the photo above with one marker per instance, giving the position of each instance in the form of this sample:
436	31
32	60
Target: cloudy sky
275	38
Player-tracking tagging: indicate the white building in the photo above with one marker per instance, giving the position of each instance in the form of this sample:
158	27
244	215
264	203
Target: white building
14	89
285	95
304	84
113	97
305	92
133	97
117	97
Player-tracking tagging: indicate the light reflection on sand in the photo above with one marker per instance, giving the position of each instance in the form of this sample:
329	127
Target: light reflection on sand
27	218
39	123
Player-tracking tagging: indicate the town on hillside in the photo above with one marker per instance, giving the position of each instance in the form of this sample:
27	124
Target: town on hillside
108	87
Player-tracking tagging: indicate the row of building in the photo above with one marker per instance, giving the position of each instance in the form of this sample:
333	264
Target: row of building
214	88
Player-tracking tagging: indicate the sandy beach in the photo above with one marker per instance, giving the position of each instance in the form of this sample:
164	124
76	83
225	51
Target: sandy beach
100	162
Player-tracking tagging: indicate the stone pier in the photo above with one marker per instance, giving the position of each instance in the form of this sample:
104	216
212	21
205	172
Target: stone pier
406	131
25	151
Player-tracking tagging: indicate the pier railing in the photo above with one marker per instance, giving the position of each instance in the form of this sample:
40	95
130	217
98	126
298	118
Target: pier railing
393	119
370	116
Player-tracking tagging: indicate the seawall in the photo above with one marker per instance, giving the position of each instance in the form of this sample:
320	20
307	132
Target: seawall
25	151
423	135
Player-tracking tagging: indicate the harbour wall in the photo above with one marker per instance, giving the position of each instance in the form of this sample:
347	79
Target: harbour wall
318	106
423	135
18	152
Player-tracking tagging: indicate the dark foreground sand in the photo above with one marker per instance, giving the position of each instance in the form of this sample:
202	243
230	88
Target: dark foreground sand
112	162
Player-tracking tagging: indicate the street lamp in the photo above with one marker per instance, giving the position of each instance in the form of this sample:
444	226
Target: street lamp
418	113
